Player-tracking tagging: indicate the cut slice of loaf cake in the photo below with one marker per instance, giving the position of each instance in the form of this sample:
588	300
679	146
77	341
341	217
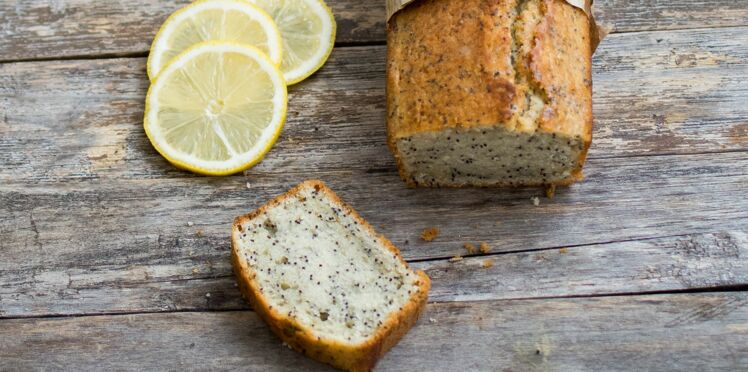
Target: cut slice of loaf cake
323	280
489	93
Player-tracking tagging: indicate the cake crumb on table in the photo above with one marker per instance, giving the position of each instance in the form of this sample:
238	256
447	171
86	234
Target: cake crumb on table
487	264
535	201
456	258
484	247
563	250
429	234
469	247
200	233
432	320
550	191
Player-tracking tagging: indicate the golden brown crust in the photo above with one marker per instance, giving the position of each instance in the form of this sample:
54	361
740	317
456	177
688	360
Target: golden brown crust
362	357
472	63
561	63
445	69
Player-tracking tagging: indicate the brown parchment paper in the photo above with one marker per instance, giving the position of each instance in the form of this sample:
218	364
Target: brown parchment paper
597	33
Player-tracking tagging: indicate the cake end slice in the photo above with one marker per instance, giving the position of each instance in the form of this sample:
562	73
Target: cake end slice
323	280
489	93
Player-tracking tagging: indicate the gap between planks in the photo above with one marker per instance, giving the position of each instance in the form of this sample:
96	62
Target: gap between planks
659	154
667	332
711	290
655	30
144	54
716	257
693	332
80	57
552	248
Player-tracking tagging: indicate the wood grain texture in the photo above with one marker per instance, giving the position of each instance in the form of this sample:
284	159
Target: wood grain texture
663	264
48	29
647	15
678	93
676	263
84	197
654	88
662	332
34	29
94	222
136	221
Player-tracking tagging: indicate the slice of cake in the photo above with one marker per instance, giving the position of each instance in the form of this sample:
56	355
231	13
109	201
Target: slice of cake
325	282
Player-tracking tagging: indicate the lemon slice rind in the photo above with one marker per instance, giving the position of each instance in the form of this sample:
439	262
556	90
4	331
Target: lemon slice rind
326	38
155	63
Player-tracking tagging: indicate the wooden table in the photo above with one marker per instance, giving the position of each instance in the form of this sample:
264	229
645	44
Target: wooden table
110	258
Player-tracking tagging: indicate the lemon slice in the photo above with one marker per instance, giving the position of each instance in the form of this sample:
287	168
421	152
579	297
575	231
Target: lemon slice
219	20
308	30
217	108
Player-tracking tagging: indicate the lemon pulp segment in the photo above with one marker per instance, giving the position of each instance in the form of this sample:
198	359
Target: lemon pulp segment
217	108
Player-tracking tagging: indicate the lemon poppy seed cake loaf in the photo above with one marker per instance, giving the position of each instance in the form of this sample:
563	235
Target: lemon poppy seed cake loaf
323	280
489	92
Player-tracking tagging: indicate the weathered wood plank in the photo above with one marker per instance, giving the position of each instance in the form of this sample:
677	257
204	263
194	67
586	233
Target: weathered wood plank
657	333
51	29
76	120
646	15
64	28
675	263
663	333
135	221
686	92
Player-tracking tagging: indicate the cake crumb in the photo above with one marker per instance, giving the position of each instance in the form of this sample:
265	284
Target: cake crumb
535	201
190	223
249	185
288	346
199	233
195	270
487	264
550	191
563	250
457	258
484	247
429	234
469	247
432	320
207	295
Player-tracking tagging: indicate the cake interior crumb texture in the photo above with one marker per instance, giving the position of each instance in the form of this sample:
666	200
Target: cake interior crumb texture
489	93
316	263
